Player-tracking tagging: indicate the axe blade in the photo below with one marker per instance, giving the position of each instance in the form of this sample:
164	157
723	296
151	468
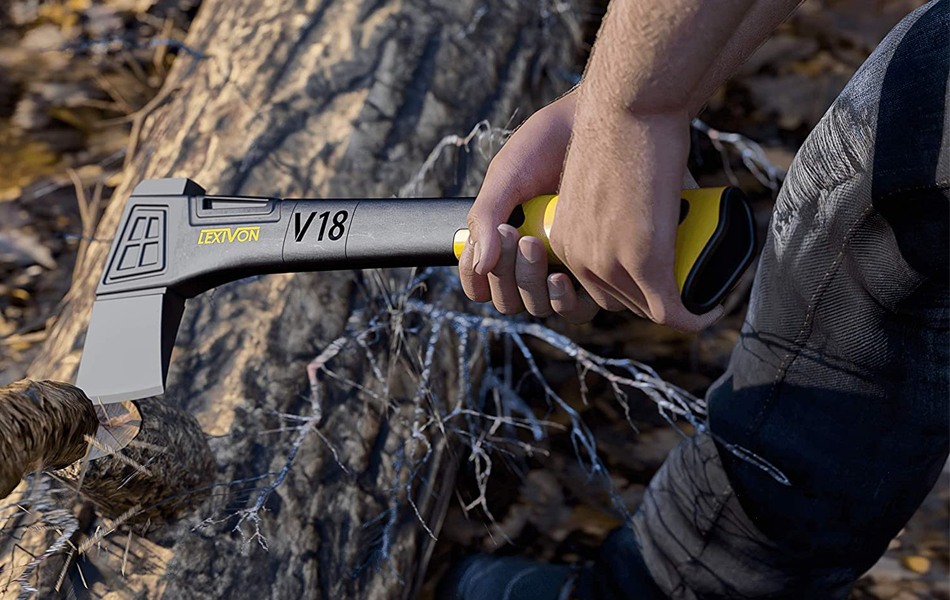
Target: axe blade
128	346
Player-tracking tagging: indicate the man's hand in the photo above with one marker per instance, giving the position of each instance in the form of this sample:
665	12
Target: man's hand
618	210
611	230
627	124
498	264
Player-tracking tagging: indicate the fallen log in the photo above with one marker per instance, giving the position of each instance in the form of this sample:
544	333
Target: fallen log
310	98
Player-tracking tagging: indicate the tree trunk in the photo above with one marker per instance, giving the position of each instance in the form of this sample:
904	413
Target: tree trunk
310	98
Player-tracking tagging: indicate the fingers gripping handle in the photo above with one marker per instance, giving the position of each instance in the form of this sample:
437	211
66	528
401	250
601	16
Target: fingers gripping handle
715	241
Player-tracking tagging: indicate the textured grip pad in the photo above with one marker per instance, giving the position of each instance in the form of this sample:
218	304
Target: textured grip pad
141	245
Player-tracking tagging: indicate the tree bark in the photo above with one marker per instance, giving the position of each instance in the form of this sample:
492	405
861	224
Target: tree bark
309	98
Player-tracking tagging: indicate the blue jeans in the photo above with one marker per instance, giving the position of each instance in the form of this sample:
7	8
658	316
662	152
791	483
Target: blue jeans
840	376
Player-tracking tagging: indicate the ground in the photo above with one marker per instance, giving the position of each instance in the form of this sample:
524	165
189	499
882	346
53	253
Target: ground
66	124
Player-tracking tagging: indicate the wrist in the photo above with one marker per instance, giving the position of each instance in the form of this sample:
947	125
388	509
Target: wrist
644	150
597	114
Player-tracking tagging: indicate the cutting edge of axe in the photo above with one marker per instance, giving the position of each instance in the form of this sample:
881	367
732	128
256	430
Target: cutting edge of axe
175	241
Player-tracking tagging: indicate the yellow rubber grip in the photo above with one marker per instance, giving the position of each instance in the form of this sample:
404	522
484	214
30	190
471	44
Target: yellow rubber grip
697	228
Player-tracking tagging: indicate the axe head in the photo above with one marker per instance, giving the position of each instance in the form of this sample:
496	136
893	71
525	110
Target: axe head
173	242
137	310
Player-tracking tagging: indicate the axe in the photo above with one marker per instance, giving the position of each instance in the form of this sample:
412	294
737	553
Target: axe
175	241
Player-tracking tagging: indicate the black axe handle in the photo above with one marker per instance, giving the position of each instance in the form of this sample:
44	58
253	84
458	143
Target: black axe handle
175	236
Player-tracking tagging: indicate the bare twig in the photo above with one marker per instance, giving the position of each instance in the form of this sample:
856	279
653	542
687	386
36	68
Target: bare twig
750	152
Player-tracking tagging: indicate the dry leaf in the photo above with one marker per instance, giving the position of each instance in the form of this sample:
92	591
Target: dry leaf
917	564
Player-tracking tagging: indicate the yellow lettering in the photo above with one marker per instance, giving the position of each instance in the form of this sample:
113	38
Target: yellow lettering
226	235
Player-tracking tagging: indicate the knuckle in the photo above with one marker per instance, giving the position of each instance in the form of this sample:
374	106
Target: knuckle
475	295
541	311
507	308
530	281
503	176
473	219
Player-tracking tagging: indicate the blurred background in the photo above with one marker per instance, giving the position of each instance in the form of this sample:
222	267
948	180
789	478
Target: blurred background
77	76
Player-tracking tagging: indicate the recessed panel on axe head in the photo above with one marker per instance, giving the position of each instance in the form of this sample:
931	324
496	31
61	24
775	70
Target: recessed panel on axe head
174	241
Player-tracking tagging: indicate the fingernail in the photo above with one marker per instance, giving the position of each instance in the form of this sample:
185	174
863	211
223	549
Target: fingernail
556	287
508	235
533	253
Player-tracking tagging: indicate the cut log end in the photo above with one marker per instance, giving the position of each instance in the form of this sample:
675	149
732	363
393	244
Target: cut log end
166	470
43	424
48	425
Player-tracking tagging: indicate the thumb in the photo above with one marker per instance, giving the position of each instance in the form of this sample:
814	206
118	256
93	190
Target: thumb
528	165
668	309
506	186
492	206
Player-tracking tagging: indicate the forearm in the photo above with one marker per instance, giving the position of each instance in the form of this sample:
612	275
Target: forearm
759	23
653	57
